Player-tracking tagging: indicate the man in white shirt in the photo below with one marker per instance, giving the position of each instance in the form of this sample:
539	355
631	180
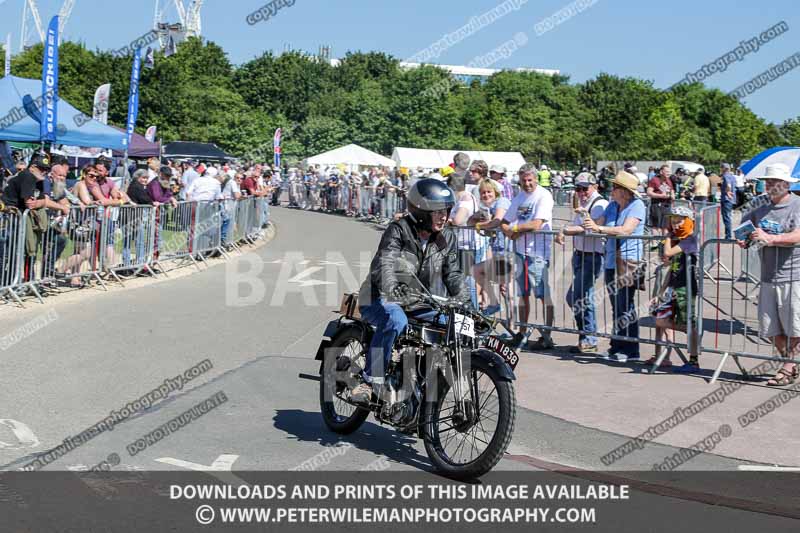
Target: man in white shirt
189	174
531	211
231	192
587	261
205	188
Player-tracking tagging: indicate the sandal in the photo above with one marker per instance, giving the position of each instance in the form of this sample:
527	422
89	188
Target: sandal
784	377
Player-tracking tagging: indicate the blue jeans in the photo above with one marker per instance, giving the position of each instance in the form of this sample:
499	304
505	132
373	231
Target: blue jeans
727	209
626	323
580	297
390	321
137	235
225	228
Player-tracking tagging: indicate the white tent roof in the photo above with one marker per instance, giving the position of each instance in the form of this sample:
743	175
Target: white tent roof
351	154
431	159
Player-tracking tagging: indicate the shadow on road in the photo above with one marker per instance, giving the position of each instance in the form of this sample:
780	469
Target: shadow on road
308	427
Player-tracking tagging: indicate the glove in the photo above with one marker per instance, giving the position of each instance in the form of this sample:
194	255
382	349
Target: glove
401	294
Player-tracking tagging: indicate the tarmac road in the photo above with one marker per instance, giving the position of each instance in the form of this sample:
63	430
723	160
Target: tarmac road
101	351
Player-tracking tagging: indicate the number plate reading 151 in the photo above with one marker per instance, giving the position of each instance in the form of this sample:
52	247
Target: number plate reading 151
503	350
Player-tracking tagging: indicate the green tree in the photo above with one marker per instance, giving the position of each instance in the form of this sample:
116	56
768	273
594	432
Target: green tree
791	131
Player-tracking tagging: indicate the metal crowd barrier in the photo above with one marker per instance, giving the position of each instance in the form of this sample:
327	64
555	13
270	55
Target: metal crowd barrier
12	232
175	233
127	239
575	281
92	240
210	220
242	214
253	222
734	322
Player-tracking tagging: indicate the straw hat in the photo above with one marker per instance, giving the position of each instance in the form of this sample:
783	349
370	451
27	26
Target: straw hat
627	181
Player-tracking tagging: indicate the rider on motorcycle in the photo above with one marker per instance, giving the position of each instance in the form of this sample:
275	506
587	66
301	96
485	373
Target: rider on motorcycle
422	237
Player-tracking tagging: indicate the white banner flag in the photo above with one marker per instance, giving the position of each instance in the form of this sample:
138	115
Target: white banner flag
150	135
7	71
100	111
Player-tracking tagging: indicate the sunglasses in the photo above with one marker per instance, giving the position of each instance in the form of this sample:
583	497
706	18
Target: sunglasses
581	188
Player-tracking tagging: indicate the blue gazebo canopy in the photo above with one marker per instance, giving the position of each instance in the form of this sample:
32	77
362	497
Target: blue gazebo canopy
17	125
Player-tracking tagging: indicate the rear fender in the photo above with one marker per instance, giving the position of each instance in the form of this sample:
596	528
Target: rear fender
333	330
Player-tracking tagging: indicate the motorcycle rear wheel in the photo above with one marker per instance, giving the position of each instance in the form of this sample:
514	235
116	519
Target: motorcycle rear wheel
340	416
466	452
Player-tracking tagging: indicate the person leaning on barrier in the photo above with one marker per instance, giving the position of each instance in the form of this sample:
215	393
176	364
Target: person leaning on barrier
493	207
530	211
671	306
205	188
230	183
26	191
777	234
624	216
587	261
160	190
55	240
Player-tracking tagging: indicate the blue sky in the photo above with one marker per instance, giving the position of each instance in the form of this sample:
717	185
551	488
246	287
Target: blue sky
659	41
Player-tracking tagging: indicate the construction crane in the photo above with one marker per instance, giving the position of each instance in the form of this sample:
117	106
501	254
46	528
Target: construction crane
193	24
63	17
29	7
189	17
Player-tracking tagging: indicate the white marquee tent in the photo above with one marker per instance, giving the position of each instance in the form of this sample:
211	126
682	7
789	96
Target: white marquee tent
434	159
351	154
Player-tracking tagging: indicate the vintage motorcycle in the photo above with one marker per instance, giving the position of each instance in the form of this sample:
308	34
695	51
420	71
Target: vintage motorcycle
450	381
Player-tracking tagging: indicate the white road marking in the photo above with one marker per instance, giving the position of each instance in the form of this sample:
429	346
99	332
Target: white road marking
301	278
758	468
24	434
220	468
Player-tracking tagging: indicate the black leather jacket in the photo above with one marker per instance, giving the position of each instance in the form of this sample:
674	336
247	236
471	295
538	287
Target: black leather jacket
437	268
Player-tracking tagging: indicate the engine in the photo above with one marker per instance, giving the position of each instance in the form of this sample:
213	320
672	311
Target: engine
401	394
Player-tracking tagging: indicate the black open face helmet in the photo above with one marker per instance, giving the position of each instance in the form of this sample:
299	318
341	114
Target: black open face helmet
426	197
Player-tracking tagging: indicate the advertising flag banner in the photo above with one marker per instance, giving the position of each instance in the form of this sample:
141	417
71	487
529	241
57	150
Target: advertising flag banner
150	135
133	98
48	126
7	69
100	109
276	144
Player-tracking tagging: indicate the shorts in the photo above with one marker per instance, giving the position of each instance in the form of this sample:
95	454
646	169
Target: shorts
532	274
779	309
674	306
658	215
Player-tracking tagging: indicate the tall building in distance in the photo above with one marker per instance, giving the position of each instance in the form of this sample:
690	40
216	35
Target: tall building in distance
468	74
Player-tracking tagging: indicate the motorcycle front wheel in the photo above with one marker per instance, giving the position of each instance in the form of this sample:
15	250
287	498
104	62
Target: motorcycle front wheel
340	416
466	446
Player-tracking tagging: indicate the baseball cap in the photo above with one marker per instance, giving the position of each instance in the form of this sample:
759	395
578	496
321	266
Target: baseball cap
681	209
500	169
585	179
725	166
41	161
